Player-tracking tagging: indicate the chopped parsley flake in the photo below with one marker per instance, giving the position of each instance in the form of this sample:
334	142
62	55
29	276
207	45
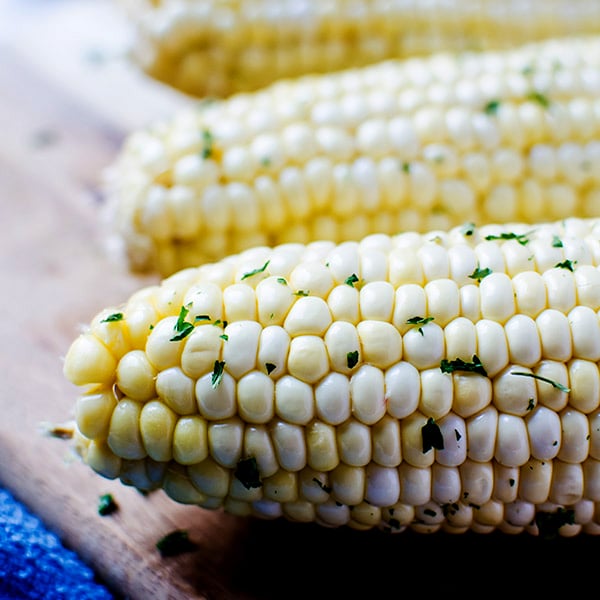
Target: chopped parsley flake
540	98
351	280
458	364
324	487
556	242
301	293
406	167
282	280
224	337
549	523
531	404
246	471
107	505
112	318
182	327
217	373
431	435
419	321
478	274
491	108
554	384
519	237
352	359
468	229
270	367
256	271
207	144
202	318
565	264
175	543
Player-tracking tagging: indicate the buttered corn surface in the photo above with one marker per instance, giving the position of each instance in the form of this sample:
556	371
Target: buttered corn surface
219	47
442	380
418	144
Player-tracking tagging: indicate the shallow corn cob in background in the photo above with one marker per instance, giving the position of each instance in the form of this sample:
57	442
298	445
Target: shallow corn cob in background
439	381
417	144
220	47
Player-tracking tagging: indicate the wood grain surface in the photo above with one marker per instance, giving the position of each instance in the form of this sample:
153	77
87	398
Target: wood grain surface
68	96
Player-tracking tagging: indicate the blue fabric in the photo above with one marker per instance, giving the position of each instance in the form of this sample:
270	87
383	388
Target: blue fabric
35	564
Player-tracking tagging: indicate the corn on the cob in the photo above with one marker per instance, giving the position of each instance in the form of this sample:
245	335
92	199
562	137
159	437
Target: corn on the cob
418	144
444	380
219	47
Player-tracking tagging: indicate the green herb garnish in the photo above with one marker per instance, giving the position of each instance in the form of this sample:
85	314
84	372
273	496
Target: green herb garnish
419	321
431	435
468	229
352	359
301	293
351	280
256	271
406	167
324	487
458	364
107	505
540	98
554	384
520	237
282	280
491	108
202	318
182	327
175	543
478	274
112	318
246	471
270	367
556	242
207	144
217	374
565	264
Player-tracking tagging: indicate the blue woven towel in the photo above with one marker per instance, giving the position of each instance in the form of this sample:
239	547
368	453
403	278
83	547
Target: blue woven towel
35	564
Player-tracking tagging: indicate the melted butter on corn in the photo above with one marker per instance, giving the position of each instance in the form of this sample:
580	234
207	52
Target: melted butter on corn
380	394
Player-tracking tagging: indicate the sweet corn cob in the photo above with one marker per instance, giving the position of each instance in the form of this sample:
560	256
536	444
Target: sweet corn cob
219	47
418	144
446	380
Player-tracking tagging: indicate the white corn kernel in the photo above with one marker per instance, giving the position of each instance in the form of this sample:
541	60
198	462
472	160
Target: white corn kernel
402	389
367	394
190	441
436	393
289	445
575	442
255	395
380	342
354	443
545	435
512	441
294	400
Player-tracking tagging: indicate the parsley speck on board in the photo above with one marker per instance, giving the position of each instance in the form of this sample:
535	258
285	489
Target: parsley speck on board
175	543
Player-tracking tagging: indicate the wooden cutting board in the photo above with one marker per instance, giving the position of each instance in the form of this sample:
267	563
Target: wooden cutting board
68	96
